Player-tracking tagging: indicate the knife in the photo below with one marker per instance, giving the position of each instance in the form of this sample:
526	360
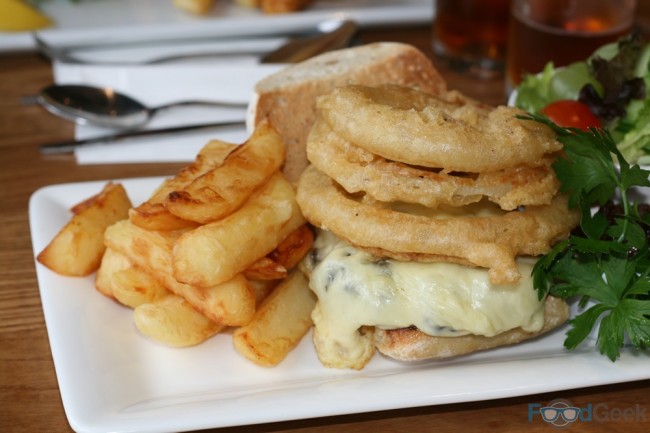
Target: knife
300	49
70	146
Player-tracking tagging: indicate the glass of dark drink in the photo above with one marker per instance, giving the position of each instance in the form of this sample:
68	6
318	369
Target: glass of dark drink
471	35
561	31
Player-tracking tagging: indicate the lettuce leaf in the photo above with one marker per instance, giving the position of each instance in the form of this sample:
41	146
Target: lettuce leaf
533	93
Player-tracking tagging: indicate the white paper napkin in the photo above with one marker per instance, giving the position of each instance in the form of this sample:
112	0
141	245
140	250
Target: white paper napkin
161	84
213	50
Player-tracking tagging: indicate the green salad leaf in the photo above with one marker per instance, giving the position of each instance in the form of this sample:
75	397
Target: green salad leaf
613	82
533	92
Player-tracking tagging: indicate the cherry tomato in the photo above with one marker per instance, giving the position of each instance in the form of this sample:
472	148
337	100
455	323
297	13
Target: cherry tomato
571	114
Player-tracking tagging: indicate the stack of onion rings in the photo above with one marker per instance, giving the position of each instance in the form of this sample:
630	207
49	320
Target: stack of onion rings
488	241
404	124
373	148
358	170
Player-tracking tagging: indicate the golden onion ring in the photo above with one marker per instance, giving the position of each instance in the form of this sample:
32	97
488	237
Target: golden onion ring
491	242
403	124
357	170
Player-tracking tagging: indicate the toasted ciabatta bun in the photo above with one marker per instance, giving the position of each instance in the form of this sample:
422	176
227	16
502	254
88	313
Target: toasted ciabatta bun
412	345
287	98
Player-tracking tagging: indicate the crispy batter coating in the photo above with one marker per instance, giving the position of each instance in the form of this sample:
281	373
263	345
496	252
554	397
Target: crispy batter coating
491	241
358	170
450	132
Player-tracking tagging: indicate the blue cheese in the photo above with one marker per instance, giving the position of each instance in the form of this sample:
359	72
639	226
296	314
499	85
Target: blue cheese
356	289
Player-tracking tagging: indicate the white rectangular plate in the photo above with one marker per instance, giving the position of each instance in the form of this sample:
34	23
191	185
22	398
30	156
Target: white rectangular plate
113	379
99	22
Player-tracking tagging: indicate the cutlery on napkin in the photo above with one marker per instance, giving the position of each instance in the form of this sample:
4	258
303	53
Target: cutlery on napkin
159	84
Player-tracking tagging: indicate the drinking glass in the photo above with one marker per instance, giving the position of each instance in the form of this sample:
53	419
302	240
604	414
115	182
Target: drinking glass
561	31
471	35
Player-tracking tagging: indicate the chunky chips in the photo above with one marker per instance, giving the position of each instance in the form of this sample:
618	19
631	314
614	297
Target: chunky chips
203	252
78	248
215	252
267	339
217	193
154	215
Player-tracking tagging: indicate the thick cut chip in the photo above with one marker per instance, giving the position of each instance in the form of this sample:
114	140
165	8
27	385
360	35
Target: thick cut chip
134	286
294	247
173	321
284	257
262	288
231	302
78	248
279	324
222	190
265	269
112	262
153	215
128	284
215	252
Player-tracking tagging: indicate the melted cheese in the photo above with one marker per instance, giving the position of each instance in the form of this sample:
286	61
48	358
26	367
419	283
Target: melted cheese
482	208
354	289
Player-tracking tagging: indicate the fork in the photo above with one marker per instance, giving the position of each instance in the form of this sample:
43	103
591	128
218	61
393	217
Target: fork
292	51
64	56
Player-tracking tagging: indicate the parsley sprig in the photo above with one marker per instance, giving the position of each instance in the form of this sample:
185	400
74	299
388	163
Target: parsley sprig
607	265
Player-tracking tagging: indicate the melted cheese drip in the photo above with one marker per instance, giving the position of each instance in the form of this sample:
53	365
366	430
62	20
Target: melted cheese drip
354	289
480	209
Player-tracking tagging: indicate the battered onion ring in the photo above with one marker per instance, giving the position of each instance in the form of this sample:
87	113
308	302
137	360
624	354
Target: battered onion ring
356	170
491	242
404	124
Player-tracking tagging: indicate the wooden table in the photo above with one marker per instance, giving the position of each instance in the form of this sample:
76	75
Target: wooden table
29	395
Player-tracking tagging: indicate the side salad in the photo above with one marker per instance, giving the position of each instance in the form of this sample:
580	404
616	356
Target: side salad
609	90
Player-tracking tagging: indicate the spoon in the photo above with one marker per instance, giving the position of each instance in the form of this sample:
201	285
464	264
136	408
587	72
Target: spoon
105	107
88	105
